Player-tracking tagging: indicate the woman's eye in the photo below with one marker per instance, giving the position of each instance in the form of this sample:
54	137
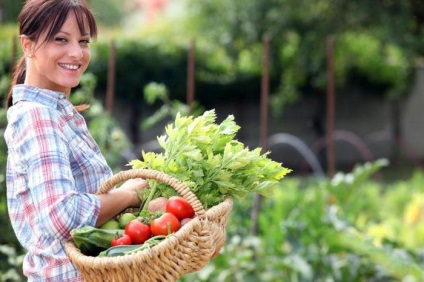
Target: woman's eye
60	39
85	41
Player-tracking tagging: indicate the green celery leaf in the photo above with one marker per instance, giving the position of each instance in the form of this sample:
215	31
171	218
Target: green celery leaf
207	158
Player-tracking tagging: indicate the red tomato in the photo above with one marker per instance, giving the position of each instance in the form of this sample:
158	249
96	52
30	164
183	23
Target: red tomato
138	231
159	226
122	240
179	207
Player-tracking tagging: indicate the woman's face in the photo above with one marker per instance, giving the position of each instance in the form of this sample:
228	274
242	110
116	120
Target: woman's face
59	63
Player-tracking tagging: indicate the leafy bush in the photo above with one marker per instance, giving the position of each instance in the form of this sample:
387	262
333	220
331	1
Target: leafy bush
154	92
378	65
139	63
11	266
322	230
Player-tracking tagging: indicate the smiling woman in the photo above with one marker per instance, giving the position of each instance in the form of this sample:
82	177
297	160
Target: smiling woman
54	166
43	23
58	63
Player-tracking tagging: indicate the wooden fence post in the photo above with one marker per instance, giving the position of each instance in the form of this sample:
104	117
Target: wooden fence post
330	107
110	88
263	125
191	70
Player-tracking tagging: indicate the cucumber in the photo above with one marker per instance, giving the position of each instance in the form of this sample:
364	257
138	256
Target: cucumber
91	240
119	250
127	249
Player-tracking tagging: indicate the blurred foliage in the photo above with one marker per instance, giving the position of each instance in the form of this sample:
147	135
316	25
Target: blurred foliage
362	57
8	237
298	31
137	64
344	229
157	93
11	264
240	23
349	228
106	12
7	39
11	9
376	47
10	249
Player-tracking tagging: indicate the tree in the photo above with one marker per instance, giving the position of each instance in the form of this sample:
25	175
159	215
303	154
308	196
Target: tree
298	29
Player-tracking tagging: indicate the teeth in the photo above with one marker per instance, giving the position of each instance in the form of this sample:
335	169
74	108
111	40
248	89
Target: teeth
70	67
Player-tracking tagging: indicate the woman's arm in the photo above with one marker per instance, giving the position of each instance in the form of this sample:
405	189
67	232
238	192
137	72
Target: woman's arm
119	199
55	206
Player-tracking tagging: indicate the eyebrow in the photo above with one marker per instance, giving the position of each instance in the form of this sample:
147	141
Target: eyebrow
67	33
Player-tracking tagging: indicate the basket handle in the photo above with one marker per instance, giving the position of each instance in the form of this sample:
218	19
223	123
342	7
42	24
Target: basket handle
177	185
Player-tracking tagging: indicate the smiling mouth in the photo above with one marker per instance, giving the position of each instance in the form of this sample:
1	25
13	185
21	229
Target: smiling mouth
70	67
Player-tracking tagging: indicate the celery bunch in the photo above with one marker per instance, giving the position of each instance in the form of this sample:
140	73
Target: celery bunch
206	157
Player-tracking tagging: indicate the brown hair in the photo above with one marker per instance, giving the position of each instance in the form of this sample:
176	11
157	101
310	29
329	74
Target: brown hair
38	16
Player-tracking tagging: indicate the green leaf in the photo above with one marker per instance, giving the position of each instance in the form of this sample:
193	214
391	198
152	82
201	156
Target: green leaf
210	161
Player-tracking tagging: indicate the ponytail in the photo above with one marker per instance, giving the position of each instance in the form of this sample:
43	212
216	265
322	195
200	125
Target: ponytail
18	78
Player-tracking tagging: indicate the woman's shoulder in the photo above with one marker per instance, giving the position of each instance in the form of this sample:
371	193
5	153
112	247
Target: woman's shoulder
28	115
30	110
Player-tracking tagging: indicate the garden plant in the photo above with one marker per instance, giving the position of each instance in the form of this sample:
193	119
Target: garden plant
354	226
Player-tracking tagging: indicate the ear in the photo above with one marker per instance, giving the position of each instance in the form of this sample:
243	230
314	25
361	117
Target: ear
28	46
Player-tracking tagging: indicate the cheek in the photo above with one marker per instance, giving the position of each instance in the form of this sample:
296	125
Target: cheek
87	55
45	64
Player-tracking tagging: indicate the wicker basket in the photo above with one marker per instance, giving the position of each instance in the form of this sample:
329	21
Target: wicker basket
188	250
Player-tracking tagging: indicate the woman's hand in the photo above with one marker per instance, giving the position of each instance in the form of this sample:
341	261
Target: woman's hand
135	187
120	198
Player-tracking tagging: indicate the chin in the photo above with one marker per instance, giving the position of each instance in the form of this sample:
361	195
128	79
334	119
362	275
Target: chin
71	85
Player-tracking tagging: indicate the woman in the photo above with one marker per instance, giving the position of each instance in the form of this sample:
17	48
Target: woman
54	166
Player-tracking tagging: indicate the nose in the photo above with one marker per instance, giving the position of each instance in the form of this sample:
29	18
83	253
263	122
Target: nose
75	51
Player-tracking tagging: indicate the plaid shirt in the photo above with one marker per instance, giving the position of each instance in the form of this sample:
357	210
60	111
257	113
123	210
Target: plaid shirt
53	168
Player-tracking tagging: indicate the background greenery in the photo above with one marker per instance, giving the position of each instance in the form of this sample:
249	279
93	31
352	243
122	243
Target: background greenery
378	44
349	228
353	227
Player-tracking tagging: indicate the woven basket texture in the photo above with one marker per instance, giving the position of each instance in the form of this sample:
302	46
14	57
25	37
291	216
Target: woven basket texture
188	250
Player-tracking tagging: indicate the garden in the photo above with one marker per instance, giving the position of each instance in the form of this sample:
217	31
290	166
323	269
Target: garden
335	216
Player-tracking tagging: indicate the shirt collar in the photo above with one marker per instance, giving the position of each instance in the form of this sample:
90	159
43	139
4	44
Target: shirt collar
23	92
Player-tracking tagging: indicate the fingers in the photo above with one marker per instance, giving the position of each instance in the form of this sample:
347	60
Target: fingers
134	188
137	183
